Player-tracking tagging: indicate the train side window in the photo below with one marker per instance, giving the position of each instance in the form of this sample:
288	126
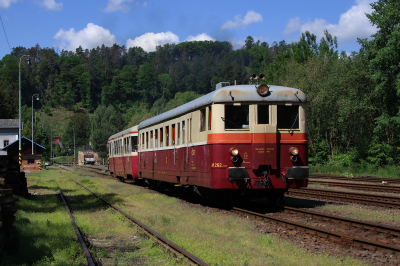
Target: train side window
134	143
183	132
209	118
173	134
179	133
190	130
263	114
161	137
151	139
143	141
236	116
167	136
124	145
202	119
156	138
288	117
147	140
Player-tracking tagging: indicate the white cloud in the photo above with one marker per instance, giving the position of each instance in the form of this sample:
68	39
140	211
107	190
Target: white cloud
236	44
250	17
200	37
90	37
150	40
352	24
51	5
6	3
292	26
114	5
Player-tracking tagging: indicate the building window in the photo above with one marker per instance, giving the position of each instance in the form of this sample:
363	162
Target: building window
31	161
6	142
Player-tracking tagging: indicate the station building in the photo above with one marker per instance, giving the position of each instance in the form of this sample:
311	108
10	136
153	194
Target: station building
30	160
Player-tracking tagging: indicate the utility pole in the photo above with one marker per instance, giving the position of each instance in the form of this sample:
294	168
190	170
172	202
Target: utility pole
51	145
74	143
37	94
19	127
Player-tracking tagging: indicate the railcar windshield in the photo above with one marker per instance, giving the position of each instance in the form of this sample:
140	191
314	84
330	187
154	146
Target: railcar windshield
236	116
288	117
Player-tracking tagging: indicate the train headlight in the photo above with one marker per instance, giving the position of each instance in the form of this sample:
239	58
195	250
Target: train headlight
262	89
294	151
234	151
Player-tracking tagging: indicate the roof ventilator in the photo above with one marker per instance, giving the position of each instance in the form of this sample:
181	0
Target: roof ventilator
221	85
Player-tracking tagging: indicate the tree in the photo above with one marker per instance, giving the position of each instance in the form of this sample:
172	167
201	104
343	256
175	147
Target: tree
105	123
383	53
79	123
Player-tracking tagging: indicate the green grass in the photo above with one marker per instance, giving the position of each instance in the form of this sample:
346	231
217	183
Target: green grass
358	170
47	236
44	231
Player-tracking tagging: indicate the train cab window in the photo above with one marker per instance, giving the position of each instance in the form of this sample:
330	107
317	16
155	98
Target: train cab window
262	114
179	133
167	136
183	132
151	139
161	137
134	143
236	116
156	138
173	134
209	118
202	119
288	117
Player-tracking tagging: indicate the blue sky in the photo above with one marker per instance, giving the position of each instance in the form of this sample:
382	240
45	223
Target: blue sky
67	24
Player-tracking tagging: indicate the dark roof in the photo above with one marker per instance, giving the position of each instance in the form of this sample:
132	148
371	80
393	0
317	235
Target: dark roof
9	123
23	138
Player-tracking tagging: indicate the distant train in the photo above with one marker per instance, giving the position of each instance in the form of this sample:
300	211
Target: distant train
237	141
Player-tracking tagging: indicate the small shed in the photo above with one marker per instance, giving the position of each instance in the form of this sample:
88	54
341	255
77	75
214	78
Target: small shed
30	160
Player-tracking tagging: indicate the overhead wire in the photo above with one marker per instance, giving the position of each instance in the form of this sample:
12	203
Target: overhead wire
5	34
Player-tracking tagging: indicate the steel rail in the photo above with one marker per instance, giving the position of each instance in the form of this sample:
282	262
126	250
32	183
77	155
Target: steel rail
368	199
395	231
370	179
369	187
337	237
167	242
78	234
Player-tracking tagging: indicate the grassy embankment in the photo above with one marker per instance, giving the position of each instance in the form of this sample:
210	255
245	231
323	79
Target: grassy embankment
217	238
357	170
45	233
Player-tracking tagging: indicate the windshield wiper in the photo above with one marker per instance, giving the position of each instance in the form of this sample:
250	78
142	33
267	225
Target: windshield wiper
226	120
294	123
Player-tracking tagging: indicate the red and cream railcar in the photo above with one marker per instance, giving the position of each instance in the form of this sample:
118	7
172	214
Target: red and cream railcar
236	140
123	153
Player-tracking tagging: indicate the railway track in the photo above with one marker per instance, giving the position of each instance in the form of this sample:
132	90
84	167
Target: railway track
351	232
367	179
77	232
360	198
367	187
174	248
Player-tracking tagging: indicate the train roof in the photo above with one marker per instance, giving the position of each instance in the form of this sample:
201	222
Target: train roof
240	93
126	131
